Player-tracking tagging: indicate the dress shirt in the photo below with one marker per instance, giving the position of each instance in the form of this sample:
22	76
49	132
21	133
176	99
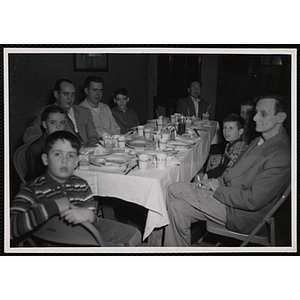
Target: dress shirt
196	103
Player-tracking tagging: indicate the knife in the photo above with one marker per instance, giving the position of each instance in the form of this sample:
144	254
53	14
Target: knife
130	169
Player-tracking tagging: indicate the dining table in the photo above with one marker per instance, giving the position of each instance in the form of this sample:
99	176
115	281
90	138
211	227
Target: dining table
148	188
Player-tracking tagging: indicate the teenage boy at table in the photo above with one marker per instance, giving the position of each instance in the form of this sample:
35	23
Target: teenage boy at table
242	196
125	117
193	105
79	119
247	112
59	192
103	119
54	118
233	129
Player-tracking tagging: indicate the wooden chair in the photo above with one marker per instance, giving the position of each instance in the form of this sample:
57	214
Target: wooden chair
253	237
19	161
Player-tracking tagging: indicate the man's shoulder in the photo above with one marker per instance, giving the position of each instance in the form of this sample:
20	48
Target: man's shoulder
81	109
185	99
115	109
281	143
103	105
38	113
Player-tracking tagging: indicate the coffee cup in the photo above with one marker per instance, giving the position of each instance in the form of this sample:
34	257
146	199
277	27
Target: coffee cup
143	161
147	132
165	136
159	124
205	117
141	130
162	144
173	119
161	161
121	141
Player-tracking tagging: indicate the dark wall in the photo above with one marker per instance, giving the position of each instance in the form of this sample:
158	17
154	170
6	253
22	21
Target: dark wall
32	78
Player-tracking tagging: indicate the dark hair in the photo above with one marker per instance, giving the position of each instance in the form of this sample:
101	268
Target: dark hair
249	103
121	91
281	104
235	118
195	80
92	79
52	109
61	135
60	81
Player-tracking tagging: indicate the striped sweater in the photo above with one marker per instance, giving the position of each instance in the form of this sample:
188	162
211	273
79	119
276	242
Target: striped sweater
34	204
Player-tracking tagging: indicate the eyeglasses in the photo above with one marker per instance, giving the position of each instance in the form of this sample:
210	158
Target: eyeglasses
196	88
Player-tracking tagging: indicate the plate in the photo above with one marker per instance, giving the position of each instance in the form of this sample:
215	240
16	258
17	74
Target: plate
117	159
102	151
140	144
87	150
179	144
199	123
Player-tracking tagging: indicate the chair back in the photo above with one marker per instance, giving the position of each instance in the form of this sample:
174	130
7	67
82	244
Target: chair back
253	237
20	162
269	218
57	231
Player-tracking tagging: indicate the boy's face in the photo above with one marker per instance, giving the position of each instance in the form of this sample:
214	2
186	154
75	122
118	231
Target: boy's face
61	160
231	131
54	122
121	101
246	112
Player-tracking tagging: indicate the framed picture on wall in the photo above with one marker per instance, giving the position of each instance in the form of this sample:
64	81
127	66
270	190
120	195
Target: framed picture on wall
91	62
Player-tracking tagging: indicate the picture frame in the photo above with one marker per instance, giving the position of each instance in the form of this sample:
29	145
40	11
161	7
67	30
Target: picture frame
90	62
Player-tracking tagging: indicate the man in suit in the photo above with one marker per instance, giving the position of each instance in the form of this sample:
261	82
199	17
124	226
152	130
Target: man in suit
193	105
79	119
243	195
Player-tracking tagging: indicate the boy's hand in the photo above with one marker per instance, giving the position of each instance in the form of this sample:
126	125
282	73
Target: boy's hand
77	215
63	204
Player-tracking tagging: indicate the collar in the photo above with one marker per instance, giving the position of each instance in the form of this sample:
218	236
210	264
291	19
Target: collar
196	99
235	141
52	183
89	103
122	110
71	111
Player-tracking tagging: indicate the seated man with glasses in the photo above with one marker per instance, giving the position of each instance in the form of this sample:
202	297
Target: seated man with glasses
193	105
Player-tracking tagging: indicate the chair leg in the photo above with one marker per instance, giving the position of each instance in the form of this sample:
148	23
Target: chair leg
272	231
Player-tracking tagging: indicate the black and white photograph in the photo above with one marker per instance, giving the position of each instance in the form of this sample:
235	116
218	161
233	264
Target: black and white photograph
150	150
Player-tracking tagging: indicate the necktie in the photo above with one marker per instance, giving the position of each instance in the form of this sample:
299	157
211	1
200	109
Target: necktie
71	124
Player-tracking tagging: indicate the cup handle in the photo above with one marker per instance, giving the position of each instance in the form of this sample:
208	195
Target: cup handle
153	160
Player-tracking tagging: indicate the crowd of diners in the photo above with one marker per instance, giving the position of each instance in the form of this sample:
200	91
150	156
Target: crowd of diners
243	179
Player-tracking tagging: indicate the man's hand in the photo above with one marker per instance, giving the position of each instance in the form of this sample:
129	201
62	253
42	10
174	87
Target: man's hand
213	183
77	215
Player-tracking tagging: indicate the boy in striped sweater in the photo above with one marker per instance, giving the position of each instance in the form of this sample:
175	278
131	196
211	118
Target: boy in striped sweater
59	192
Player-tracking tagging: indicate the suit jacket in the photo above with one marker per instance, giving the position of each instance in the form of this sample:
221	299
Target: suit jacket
84	121
252	186
186	107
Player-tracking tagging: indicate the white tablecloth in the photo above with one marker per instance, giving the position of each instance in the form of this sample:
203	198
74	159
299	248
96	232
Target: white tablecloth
148	187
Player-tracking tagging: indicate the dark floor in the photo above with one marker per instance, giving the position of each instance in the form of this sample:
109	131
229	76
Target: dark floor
135	215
